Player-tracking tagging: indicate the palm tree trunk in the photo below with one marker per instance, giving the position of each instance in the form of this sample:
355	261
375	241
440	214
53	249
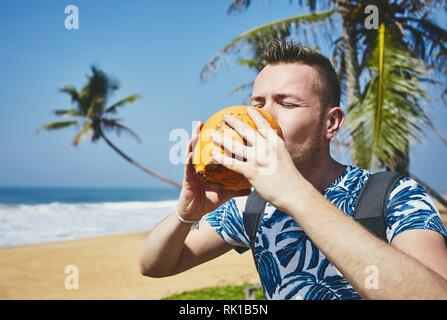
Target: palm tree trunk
353	82
352	69
138	165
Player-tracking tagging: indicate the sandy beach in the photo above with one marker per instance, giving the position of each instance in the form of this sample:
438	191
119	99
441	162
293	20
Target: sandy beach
108	269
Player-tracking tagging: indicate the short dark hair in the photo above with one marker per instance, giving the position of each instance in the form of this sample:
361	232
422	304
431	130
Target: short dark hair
328	84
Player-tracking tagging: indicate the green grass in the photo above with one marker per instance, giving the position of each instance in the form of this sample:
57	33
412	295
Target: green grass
216	293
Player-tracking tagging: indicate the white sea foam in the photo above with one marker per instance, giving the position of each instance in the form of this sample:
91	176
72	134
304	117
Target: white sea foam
30	224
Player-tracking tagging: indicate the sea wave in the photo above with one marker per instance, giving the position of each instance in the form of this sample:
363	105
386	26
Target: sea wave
38	223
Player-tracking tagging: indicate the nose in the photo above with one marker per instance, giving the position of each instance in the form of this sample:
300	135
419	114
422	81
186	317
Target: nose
270	108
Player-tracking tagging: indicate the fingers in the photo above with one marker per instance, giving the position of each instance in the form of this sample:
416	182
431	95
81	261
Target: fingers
190	149
243	129
228	162
197	128
264	127
193	141
195	136
189	168
233	147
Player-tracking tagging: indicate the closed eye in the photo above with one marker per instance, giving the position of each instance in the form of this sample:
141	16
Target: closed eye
289	105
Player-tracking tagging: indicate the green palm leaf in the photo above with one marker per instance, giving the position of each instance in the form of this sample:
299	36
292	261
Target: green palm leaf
238	6
280	25
68	112
58	125
251	63
242	87
390	111
122	102
114	125
84	131
70	90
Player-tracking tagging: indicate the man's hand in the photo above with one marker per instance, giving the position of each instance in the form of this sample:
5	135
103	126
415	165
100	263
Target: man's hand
264	161
196	197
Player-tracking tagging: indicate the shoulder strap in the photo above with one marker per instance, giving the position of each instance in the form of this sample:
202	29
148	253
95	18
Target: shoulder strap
370	210
252	216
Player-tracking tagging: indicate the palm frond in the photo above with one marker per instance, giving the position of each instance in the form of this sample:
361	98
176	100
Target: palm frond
238	6
58	125
242	87
427	39
84	131
292	23
122	102
96	108
436	130
70	90
68	112
114	125
390	111
242	5
251	63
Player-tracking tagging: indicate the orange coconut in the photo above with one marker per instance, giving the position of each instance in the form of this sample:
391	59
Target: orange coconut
217	174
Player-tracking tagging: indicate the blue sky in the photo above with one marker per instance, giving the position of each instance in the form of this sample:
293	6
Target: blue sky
155	49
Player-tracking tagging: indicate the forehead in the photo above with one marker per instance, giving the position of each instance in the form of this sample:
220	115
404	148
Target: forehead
290	78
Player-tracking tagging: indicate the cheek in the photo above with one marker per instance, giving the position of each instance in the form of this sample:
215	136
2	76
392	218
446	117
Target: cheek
296	126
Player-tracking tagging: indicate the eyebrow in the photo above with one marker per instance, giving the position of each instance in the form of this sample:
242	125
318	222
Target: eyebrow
256	98
283	96
280	96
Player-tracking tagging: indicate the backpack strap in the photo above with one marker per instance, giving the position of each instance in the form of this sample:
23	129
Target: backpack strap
370	210
253	213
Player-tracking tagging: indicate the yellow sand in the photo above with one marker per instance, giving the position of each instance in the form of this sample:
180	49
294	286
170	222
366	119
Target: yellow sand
108	269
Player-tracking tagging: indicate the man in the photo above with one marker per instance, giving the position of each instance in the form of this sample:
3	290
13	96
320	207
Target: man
307	246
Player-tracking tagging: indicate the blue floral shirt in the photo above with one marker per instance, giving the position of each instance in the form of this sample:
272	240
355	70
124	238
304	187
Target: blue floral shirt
290	265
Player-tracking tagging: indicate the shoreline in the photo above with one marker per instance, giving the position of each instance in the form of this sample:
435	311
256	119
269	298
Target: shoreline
52	242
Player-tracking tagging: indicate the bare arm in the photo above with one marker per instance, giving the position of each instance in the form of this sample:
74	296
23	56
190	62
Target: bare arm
171	246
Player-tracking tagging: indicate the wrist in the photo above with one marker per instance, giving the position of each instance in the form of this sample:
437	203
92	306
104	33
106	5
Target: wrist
297	196
180	217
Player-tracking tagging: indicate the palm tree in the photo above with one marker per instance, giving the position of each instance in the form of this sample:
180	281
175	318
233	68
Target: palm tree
387	100
97	118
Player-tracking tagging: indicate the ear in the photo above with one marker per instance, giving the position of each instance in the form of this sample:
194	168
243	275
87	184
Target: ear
335	117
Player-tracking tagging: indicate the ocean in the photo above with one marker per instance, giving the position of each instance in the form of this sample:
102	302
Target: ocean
30	215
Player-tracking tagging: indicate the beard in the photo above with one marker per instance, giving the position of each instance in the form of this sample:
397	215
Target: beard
305	155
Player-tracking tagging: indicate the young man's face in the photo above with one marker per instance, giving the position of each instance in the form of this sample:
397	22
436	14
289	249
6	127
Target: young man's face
289	92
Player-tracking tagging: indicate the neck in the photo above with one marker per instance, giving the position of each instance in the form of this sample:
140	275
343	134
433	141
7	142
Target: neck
322	172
